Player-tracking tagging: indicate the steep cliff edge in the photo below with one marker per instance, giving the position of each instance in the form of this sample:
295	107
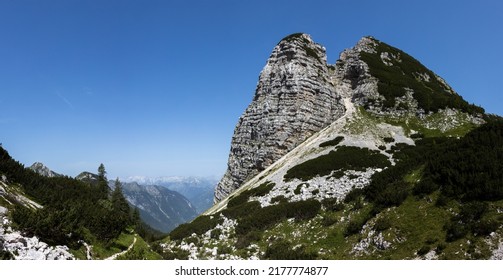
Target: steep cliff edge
295	97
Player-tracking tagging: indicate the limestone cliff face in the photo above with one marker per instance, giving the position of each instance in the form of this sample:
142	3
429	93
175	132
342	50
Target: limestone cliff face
295	97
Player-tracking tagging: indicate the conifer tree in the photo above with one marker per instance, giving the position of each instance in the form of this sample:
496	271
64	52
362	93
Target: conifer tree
102	182
119	202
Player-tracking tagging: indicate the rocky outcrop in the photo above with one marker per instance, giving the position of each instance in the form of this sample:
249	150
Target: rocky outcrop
388	81
352	69
295	97
13	244
43	170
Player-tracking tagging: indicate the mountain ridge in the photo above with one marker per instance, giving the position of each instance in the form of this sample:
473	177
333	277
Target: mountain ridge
352	189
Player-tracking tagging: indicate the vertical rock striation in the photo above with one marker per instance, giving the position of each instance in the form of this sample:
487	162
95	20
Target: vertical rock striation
295	97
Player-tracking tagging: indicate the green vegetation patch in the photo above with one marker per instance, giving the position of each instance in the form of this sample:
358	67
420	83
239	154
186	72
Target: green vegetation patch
467	169
140	251
430	94
243	197
268	216
293	36
333	142
346	158
199	226
284	250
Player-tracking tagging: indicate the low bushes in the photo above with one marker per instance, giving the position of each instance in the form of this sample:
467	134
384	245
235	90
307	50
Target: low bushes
344	158
263	218
283	250
333	142
199	226
243	197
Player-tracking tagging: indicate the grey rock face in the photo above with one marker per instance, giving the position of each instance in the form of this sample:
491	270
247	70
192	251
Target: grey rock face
43	170
351	68
295	97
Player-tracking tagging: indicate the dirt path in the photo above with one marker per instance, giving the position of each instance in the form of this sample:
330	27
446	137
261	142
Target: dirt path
114	256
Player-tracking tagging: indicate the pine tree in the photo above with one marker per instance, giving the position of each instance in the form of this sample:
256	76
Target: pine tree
102	182
119	203
136	217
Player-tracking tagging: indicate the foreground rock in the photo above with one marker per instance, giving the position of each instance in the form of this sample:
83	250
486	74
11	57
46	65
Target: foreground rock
21	247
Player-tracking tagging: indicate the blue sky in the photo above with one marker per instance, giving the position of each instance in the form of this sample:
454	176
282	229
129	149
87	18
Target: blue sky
155	88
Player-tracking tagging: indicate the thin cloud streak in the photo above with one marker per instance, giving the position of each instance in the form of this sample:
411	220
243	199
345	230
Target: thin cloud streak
66	101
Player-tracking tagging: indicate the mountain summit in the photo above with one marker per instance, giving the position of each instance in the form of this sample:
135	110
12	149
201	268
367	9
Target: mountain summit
373	157
295	97
43	170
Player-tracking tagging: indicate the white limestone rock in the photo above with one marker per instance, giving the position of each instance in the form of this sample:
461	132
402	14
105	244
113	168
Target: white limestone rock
294	99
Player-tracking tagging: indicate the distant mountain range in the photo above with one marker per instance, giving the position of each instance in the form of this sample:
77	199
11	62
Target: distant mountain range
198	190
159	207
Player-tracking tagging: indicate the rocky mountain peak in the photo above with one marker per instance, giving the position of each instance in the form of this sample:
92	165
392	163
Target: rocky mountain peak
43	170
87	177
298	94
294	98
366	44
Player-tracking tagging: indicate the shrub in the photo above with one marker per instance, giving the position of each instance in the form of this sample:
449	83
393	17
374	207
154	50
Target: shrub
333	142
442	201
354	226
382	224
328	221
440	248
423	250
175	254
243	197
279	198
337	174
331	204
263	218
389	139
298	190
244	241
485	227
455	230
426	186
283	250
303	210
344	158
417	135
241	210
470	169
191	239
199	226
353	195
222	249
393	195
215	233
